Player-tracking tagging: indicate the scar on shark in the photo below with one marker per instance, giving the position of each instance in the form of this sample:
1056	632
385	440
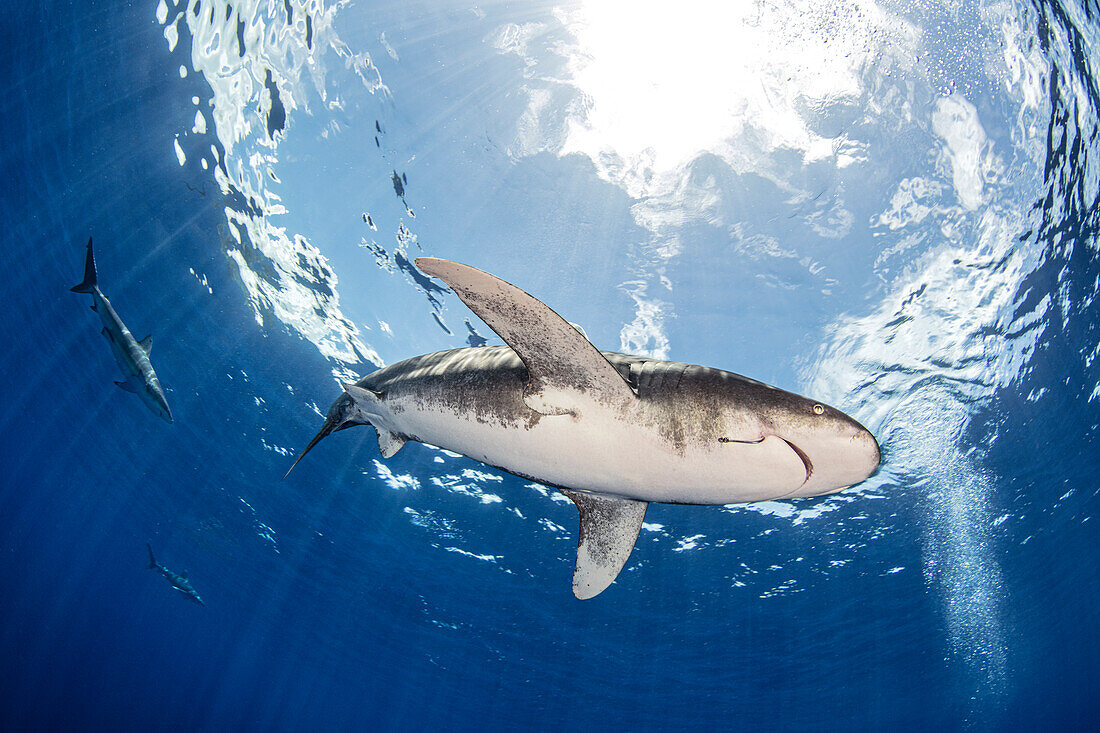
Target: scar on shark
611	431
132	355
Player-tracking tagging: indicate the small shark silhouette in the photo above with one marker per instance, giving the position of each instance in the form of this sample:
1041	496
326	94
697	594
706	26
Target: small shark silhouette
179	582
132	355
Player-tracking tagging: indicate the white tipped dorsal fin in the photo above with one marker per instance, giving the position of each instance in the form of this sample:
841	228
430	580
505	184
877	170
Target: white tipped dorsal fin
560	360
147	344
388	443
609	528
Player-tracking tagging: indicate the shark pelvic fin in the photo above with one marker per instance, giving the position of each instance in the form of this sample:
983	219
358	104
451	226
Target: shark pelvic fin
609	528
388	443
147	344
561	363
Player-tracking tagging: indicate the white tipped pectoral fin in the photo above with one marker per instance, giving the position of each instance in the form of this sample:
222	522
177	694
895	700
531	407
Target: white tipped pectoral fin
609	527
560	361
388	443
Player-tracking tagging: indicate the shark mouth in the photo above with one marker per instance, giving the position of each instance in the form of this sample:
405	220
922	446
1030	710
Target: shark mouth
807	464
805	461
798	451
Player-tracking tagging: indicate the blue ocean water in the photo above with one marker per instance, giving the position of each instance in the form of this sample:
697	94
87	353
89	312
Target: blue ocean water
891	207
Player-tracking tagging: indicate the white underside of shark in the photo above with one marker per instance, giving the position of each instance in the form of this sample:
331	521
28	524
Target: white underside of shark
612	431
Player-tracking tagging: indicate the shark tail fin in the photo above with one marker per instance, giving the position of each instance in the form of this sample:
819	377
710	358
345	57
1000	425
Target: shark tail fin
152	560
89	284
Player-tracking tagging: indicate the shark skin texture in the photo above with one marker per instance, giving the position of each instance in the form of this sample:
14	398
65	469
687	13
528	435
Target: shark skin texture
612	431
131	354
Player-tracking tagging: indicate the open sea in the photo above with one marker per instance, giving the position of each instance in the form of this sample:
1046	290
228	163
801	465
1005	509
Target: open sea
891	207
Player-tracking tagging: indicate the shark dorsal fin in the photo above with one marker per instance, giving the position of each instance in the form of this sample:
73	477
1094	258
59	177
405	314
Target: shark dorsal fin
147	344
560	361
183	575
609	528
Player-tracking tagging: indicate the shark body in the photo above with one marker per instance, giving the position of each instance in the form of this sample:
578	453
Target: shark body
131	354
612	431
179	582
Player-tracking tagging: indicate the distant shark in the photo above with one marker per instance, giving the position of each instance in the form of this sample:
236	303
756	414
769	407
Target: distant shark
132	355
612	431
179	582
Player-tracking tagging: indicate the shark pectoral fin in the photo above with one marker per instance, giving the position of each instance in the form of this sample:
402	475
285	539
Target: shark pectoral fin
560	361
147	344
127	386
388	443
609	528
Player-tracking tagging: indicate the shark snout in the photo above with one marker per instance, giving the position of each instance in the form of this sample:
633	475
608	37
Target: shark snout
869	446
836	459
155	399
162	408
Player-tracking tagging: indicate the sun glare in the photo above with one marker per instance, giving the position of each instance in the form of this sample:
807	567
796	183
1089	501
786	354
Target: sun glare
664	82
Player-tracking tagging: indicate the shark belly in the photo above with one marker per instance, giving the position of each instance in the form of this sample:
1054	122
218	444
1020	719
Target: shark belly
600	450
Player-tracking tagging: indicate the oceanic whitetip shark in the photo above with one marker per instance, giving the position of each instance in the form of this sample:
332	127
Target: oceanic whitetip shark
179	582
612	431
132	355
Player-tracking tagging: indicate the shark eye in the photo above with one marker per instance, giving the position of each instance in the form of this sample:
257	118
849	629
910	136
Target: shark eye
819	410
